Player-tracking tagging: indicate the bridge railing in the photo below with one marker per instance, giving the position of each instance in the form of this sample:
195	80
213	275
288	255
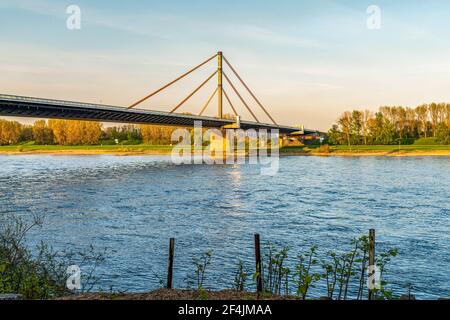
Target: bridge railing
55	102
62	103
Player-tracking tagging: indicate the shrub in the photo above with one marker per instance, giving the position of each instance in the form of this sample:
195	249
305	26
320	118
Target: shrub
426	142
324	149
201	264
443	134
41	274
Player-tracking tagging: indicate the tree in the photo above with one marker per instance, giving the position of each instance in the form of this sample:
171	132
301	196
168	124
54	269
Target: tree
74	132
356	126
391	123
422	117
447	114
372	130
42	134
387	132
366	116
83	132
59	128
9	132
434	114
411	123
345	123
157	134
128	132
401	122
26	134
92	132
443	133
334	135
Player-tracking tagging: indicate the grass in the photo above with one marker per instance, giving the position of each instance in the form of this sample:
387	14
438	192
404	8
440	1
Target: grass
391	148
426	141
105	148
370	149
144	148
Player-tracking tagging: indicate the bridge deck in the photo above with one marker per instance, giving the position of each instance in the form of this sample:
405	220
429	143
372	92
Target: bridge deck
19	106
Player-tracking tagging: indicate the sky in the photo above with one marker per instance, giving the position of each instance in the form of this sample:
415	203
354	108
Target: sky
307	61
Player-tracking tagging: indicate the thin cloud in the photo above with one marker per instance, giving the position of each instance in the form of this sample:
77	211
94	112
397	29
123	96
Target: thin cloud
264	35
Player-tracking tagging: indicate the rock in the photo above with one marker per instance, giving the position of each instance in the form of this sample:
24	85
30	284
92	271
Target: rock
10	297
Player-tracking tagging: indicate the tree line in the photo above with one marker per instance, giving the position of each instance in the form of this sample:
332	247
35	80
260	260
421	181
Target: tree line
74	132
392	125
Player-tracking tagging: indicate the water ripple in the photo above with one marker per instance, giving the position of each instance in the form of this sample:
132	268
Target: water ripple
134	204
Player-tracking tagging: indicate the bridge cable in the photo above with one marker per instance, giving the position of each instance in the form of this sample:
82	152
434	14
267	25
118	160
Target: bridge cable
240	97
193	92
209	101
171	83
248	89
229	101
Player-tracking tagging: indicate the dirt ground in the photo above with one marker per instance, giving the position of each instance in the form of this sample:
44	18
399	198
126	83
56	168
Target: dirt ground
165	294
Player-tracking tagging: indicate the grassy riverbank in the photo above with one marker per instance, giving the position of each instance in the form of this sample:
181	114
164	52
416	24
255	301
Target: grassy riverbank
389	150
86	150
142	149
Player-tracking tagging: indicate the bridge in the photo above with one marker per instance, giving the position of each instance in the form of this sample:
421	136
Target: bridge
20	106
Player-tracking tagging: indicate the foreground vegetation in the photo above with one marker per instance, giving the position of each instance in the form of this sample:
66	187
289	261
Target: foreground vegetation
41	273
341	275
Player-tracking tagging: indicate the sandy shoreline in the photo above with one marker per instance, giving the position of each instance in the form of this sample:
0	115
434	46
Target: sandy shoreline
435	153
86	152
412	153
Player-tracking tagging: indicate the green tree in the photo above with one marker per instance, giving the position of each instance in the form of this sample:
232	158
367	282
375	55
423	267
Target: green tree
345	123
434	111
334	135
443	133
356	127
422	118
42	134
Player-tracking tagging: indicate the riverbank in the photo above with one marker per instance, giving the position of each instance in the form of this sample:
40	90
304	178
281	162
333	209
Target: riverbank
174	294
354	151
193	295
370	151
87	150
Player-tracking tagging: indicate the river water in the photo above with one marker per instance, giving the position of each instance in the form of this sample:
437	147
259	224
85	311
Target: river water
132	205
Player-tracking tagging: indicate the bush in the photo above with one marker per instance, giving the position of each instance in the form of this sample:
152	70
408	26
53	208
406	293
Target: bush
443	134
324	149
407	141
41	274
131	142
426	142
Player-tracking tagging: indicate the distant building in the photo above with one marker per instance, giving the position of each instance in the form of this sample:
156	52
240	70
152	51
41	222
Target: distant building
305	139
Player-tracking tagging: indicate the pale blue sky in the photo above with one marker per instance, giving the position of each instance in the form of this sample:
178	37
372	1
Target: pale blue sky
307	60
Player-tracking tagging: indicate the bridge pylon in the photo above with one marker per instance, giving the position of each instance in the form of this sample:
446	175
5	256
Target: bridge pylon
220	85
222	76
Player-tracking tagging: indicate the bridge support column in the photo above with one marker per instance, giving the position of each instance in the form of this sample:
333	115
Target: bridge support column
229	143
219	144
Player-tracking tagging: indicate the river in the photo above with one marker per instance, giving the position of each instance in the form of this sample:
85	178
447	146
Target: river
132	205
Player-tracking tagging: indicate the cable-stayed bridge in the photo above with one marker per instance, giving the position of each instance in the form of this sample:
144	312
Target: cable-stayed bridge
20	106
